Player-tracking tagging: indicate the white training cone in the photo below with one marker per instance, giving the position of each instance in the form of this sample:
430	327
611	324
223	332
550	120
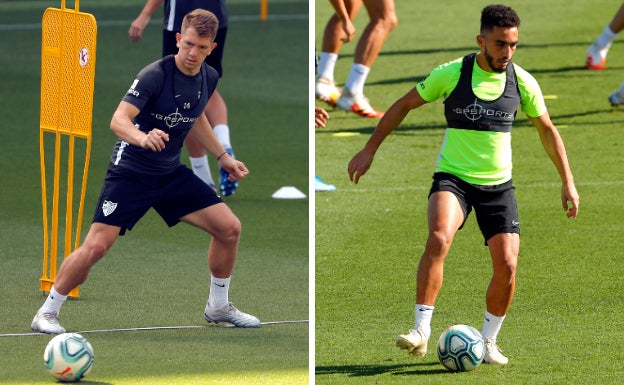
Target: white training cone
288	192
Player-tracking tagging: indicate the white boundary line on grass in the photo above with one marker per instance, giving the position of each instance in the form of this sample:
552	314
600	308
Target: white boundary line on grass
147	329
116	23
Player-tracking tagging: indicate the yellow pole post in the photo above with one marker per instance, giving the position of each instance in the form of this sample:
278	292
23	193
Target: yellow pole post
67	81
264	9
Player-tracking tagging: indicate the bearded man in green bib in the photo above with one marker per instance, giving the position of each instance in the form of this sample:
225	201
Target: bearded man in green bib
482	92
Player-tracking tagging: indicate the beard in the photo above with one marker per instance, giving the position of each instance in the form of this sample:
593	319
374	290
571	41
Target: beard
492	63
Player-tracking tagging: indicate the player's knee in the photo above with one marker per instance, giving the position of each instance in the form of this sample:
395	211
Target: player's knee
510	267
391	21
439	243
230	232
386	22
507	269
94	251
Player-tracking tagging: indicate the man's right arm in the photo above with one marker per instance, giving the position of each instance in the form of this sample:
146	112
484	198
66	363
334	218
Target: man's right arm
362	161
122	125
138	25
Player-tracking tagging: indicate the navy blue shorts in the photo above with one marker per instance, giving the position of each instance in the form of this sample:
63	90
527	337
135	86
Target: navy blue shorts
170	47
496	207
126	196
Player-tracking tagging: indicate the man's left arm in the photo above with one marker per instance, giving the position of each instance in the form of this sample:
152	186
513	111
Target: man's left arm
553	144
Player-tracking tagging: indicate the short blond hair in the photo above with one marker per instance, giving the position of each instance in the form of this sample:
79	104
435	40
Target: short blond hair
204	22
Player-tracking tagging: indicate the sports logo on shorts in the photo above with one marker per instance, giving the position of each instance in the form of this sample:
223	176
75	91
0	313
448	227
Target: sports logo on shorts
108	207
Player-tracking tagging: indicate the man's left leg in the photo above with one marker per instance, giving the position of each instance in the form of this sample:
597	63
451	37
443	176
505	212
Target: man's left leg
225	228
504	250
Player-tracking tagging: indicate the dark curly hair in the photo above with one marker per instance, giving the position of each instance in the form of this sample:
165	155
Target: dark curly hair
498	15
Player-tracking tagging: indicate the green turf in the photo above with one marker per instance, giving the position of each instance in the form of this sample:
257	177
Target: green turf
565	324
157	276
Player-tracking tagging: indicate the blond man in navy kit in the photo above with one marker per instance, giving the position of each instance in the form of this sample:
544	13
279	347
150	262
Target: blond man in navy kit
163	105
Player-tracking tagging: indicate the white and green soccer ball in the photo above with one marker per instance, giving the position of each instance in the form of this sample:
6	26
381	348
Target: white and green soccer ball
68	357
461	348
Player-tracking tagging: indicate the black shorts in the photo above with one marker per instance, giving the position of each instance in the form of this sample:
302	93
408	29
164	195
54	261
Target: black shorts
496	207
170	47
126	196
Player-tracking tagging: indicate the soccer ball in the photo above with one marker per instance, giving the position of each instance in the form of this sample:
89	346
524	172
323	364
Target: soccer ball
461	348
68	357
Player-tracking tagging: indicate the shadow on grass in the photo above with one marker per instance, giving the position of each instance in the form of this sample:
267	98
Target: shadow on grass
588	113
521	121
369	129
562	71
473	48
374	370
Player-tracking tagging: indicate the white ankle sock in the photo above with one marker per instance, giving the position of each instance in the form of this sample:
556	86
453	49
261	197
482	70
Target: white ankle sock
202	170
327	63
222	132
53	303
606	38
219	288
491	326
423	317
357	78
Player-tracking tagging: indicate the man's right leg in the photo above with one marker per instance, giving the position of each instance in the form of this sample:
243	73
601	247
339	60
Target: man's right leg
445	217
73	272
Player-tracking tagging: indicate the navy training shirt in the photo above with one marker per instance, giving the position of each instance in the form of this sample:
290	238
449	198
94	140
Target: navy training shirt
170	101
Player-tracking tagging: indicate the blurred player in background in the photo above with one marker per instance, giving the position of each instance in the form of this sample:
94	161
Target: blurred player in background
339	30
617	97
597	51
216	110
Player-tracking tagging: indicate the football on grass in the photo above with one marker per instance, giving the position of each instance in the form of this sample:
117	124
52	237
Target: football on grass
461	348
68	357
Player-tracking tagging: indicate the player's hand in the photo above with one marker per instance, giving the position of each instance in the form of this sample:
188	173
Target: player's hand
358	166
570	199
349	30
320	117
234	167
155	140
136	28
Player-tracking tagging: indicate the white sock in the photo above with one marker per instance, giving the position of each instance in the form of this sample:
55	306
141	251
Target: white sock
606	38
53	303
491	326
357	78
222	132
219	288
327	63
423	317
201	169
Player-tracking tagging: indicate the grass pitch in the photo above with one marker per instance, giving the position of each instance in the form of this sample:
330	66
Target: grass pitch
565	324
155	276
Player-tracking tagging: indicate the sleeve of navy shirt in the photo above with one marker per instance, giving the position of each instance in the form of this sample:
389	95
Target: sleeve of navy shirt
147	83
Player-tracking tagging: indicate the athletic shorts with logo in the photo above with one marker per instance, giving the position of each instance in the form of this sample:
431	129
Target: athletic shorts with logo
127	196
495	206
